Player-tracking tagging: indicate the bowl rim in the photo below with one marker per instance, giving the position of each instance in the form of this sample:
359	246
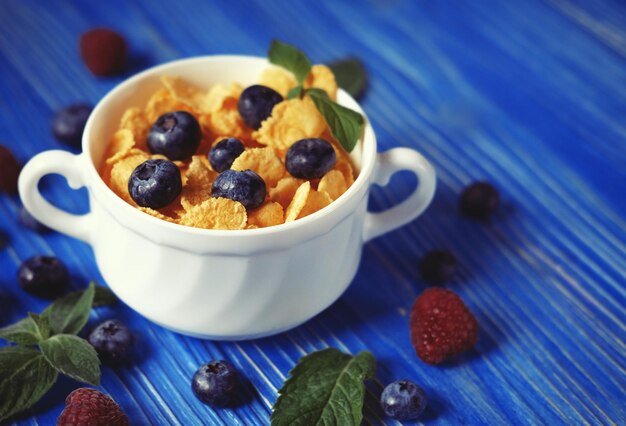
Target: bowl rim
114	203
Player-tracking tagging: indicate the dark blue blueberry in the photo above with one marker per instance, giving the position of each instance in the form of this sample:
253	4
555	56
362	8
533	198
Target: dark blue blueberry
30	222
175	135
310	158
256	104
224	153
68	124
155	183
216	383
479	201
438	266
43	276
403	400
246	187
113	341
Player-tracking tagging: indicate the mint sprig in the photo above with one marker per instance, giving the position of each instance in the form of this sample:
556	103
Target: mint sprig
26	373
345	124
325	387
350	75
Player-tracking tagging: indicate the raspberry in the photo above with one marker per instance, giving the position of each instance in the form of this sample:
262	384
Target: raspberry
441	326
103	51
86	406
9	171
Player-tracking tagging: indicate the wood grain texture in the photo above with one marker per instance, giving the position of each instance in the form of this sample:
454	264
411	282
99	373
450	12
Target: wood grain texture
528	95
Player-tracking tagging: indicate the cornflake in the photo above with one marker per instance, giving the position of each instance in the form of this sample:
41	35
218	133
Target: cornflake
216	213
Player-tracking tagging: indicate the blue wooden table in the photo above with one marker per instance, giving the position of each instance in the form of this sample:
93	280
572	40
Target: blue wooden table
530	96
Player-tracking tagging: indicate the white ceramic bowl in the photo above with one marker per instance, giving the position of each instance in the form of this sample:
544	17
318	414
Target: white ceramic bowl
216	284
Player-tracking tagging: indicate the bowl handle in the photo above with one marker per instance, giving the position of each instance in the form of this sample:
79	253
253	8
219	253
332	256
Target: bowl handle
68	166
388	163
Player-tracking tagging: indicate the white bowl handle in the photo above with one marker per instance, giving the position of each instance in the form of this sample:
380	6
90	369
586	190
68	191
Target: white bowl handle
388	163
68	166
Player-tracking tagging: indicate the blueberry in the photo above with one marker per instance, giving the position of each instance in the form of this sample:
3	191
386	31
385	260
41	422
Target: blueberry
216	383
479	201
175	135
27	220
403	400
438	266
9	171
246	187
224	153
310	158
43	276
113	341
256	104
68	124
155	183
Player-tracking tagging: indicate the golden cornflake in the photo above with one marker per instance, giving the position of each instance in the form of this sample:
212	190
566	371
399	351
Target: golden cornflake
156	214
269	214
121	143
322	77
160	103
279	79
333	183
135	121
262	161
314	201
185	92
291	121
120	173
284	190
216	213
298	202
199	179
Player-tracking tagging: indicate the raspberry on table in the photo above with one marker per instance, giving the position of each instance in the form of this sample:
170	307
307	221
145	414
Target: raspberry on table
310	158
103	51
441	326
256	104
479	201
155	183
43	276
9	171
86	406
68	124
175	134
216	383
113	341
438	266
403	400
246	187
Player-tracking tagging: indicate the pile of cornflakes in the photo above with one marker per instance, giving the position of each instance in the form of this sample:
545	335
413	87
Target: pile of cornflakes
288	198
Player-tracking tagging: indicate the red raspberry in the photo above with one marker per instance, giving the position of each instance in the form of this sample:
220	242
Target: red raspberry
9	171
89	407
441	326
103	51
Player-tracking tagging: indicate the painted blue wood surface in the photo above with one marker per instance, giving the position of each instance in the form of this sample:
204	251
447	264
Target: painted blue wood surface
528	95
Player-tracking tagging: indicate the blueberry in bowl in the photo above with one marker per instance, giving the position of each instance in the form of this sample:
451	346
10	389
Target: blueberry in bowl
224	153
175	135
256	104
310	158
155	183
246	187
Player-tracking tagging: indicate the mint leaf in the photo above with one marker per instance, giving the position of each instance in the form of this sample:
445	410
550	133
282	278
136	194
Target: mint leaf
70	313
350	75
345	124
28	331
72	356
296	92
325	388
291	58
25	376
103	297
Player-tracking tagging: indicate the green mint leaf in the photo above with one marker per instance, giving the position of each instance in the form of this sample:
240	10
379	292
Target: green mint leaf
72	356
28	331
325	388
70	313
25	376
291	58
296	92
350	75
345	124
103	297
